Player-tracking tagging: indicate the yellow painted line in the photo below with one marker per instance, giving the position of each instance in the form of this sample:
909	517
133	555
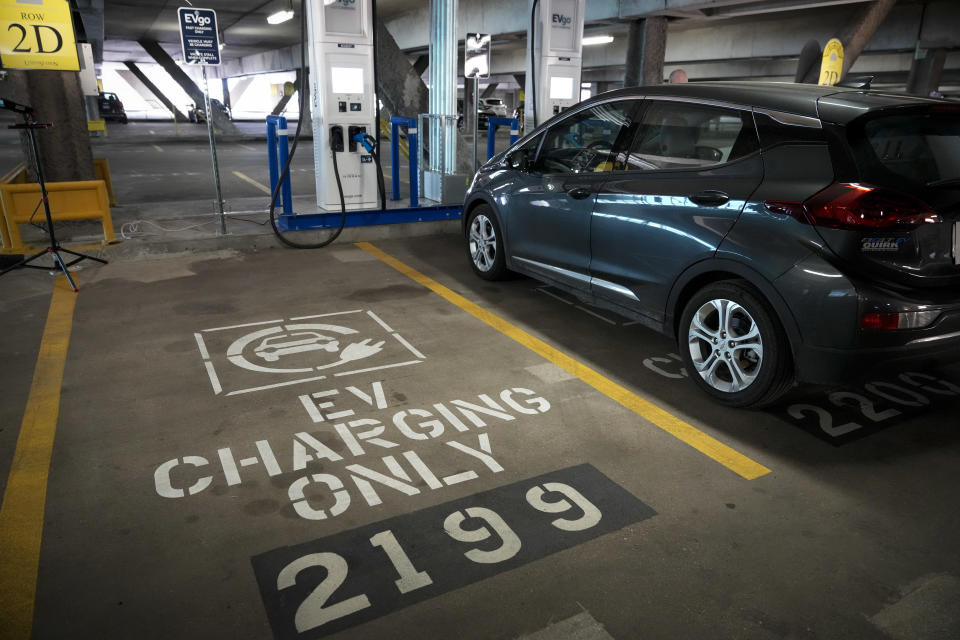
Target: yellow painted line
21	515
705	444
158	148
250	180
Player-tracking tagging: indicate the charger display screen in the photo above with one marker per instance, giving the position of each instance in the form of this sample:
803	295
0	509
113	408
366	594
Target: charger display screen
346	80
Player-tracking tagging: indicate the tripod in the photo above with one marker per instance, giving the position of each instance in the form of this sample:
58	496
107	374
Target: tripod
54	249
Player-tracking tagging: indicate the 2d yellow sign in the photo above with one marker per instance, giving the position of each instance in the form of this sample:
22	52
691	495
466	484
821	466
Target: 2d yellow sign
37	34
832	66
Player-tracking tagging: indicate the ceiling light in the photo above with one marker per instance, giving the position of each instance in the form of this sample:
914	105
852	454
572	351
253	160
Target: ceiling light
589	40
280	16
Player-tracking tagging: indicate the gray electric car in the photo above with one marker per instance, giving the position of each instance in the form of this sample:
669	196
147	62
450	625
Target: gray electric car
780	232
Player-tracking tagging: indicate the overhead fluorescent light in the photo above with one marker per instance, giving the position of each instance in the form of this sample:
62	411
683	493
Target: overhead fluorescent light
280	16
589	40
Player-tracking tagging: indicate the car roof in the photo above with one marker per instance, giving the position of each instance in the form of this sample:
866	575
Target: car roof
844	103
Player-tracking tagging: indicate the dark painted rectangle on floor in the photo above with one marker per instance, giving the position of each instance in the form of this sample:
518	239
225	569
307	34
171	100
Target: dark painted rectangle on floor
326	585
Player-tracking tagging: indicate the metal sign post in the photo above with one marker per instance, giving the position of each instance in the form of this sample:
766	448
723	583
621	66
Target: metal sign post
476	65
200	41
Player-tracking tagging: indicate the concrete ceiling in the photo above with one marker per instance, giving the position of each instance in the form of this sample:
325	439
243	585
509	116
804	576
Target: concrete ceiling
712	25
243	24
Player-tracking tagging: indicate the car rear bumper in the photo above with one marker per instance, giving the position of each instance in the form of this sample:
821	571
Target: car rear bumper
825	365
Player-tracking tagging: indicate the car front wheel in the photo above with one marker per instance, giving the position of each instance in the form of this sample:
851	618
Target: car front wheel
734	347
485	244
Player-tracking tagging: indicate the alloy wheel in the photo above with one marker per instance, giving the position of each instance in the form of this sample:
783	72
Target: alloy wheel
483	242
725	344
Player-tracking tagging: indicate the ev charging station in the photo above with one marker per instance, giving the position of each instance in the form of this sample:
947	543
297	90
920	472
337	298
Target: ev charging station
556	58
343	101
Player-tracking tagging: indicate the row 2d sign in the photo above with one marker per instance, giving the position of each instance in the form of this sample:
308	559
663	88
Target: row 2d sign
199	36
37	35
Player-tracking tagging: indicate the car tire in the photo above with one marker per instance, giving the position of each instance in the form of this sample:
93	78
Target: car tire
733	345
485	244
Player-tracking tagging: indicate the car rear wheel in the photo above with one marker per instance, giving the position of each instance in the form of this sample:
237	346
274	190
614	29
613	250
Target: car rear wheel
734	347
485	244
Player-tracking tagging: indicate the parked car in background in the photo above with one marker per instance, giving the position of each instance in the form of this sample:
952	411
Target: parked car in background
197	113
483	114
111	108
780	232
494	106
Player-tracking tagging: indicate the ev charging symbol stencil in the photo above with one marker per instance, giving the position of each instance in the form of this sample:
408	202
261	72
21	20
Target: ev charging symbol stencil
257	356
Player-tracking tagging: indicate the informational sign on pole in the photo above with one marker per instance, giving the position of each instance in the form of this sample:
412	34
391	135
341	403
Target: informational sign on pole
832	66
476	58
37	35
476	65
199	36
200	40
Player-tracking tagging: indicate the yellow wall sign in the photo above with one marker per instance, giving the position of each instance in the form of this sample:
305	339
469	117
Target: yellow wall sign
37	34
832	66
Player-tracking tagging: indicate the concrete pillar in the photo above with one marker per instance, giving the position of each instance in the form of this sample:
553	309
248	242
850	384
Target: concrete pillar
489	90
169	65
646	46
239	88
145	80
421	64
925	71
856	36
282	104
57	98
91	15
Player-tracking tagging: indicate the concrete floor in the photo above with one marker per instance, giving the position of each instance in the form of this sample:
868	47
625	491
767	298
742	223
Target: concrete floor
851	535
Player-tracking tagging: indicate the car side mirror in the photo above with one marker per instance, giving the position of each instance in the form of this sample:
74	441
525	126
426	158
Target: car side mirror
518	160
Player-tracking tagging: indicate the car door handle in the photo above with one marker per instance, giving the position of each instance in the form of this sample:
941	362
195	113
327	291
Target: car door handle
579	193
710	198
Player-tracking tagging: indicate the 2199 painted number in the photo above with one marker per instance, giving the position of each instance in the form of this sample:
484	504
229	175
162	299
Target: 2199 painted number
315	611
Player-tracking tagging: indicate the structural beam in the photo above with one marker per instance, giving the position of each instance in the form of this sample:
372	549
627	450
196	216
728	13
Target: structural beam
285	99
646	48
152	88
421	63
163	58
399	85
489	90
240	88
857	34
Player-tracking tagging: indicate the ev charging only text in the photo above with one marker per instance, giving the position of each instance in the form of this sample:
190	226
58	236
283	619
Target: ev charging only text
330	477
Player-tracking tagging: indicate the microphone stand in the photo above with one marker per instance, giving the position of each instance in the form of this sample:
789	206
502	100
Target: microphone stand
54	249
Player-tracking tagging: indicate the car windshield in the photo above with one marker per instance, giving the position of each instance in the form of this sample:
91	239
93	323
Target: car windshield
494	101
921	148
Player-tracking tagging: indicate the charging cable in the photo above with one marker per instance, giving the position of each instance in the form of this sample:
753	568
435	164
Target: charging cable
370	144
302	101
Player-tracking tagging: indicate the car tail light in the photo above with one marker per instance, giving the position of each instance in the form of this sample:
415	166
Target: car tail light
904	320
120	105
859	206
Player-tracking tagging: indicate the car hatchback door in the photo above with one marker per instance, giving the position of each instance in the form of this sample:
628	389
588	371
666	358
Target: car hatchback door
671	199
548	225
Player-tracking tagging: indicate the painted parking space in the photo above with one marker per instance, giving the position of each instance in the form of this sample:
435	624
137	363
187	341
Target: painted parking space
177	507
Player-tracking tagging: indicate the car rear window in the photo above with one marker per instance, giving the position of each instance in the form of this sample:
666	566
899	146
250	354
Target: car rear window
922	148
